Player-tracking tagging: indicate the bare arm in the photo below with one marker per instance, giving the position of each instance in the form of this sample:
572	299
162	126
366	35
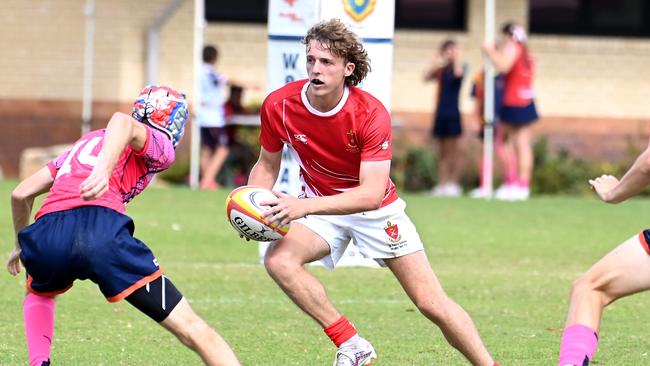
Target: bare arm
431	70
122	130
265	171
457	63
503	59
611	190
22	202
373	177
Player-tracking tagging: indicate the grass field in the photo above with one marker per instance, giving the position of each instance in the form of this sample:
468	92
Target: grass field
509	264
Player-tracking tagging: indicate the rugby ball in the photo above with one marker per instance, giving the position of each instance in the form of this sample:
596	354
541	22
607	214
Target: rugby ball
245	213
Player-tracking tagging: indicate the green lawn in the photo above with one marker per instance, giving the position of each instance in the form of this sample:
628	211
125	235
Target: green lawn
509	264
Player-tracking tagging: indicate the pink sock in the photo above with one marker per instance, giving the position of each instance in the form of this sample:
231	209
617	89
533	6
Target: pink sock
579	343
39	327
523	183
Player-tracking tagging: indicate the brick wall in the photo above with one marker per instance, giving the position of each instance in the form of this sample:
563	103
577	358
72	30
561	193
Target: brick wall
47	40
577	76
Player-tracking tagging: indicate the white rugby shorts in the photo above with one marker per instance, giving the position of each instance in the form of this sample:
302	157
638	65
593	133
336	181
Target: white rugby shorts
383	233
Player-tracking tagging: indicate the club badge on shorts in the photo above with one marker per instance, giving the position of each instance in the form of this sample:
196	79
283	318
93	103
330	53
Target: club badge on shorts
393	232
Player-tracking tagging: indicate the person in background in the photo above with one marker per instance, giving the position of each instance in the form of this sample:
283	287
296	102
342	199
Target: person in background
515	61
241	157
447	70
505	161
210	116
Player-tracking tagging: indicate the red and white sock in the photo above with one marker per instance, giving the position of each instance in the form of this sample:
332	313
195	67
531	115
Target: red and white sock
578	342
39	327
340	331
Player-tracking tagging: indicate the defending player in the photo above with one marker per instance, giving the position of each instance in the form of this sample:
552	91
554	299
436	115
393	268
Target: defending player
623	271
341	137
81	231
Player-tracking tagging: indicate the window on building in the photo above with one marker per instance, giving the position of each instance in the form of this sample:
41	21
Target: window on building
409	14
591	17
254	11
431	14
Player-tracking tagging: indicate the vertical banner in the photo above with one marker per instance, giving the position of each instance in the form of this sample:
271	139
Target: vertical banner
374	22
288	22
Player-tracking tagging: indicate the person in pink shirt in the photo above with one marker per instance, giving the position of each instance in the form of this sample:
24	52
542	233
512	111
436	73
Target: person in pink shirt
81	230
341	137
518	112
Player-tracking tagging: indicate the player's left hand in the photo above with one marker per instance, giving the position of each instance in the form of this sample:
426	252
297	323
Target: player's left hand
488	46
13	263
284	209
603	186
95	185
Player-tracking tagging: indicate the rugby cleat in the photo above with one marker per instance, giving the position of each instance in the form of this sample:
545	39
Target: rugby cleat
359	353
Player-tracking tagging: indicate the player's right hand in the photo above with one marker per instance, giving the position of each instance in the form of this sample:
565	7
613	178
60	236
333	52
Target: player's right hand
95	185
13	263
604	185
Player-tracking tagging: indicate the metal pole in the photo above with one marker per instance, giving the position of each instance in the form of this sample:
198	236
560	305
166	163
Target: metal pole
87	98
488	106
199	25
153	39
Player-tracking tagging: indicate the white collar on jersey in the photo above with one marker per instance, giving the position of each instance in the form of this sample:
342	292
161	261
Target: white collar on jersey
331	112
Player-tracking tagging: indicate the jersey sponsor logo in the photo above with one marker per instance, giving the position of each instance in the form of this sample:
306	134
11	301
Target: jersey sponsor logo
384	145
300	137
352	145
359	9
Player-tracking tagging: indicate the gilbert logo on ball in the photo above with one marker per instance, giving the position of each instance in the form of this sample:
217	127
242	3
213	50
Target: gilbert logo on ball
245	213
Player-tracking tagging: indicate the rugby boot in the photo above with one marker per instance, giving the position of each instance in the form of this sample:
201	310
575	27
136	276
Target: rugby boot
359	353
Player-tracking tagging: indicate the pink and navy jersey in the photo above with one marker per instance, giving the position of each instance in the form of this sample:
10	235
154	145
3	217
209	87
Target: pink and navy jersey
132	174
519	80
329	146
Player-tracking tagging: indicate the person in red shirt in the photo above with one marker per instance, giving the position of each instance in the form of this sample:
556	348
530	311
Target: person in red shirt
81	231
341	137
505	159
518	112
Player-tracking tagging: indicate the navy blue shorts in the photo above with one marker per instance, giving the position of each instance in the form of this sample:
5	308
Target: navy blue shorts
88	242
214	136
447	127
519	116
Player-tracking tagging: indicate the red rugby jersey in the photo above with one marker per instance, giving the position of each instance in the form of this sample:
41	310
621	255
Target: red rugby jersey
518	90
329	146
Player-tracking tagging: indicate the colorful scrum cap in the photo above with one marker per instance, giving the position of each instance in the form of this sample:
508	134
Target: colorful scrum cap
163	108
